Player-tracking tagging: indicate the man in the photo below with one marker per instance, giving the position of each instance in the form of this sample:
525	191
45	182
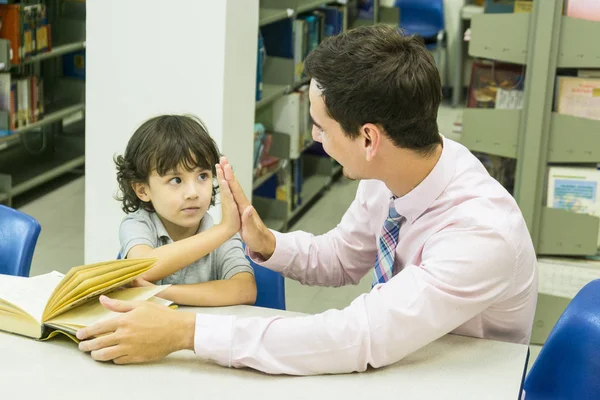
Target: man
447	245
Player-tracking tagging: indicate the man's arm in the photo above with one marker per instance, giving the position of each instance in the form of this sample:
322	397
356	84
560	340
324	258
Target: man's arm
341	256
464	271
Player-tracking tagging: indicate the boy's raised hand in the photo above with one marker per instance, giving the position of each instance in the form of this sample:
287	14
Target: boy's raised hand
230	215
255	233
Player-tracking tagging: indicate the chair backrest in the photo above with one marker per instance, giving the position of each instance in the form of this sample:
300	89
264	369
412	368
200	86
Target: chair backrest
568	366
270	286
422	17
18	235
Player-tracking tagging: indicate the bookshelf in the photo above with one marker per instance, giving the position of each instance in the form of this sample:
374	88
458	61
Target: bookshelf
38	151
318	171
536	135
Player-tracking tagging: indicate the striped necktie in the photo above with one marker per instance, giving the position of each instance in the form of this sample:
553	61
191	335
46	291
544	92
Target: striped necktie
386	251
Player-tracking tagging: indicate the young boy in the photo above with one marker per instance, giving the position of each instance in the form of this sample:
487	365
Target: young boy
166	177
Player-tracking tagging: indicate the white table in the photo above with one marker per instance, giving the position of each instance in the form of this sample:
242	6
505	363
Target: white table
466	13
453	367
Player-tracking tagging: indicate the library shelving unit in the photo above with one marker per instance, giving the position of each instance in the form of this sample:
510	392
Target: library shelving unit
40	151
536	136
318	172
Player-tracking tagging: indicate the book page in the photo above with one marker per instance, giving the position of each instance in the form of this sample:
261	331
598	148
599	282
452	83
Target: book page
29	294
92	312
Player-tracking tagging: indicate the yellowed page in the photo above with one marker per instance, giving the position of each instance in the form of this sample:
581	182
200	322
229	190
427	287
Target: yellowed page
19	324
91	293
29	294
71	300
93	311
86	281
81	273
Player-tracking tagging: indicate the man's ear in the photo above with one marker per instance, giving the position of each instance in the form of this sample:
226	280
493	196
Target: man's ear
142	191
371	139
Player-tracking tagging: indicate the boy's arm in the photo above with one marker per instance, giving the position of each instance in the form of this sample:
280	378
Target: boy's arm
240	289
177	255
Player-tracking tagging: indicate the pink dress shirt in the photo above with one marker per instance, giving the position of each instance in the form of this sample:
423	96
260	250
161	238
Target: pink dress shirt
465	264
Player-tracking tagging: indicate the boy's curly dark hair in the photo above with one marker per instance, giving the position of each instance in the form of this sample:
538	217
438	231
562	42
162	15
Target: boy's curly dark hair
164	143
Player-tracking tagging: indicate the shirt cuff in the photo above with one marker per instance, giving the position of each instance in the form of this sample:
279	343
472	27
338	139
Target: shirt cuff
281	258
213	338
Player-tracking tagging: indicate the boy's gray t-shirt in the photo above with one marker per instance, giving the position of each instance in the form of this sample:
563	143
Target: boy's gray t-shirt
143	227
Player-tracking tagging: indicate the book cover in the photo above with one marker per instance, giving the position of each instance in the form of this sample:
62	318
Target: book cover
10	29
579	97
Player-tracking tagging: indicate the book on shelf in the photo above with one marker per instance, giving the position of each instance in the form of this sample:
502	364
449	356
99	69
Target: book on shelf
43	306
26	28
578	96
290	116
574	189
493	83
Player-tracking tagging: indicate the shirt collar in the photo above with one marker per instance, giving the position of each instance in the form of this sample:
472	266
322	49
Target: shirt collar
160	228
413	204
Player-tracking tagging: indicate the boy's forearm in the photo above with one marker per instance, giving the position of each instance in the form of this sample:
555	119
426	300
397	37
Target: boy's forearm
175	256
212	294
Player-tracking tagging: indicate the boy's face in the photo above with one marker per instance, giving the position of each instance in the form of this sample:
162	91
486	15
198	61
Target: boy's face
180	198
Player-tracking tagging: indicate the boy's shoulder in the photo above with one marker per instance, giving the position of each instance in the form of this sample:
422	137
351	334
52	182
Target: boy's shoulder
139	215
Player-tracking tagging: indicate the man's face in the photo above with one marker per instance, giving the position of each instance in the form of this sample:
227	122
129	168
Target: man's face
328	131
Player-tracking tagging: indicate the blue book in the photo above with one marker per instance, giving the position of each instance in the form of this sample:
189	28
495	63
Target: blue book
333	21
260	58
279	38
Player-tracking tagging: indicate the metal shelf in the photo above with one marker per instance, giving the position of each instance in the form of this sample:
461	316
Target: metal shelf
577	46
510	46
273	212
262	179
491	131
308	5
567	233
7	141
29	171
574	140
267	16
271	93
55	52
311	188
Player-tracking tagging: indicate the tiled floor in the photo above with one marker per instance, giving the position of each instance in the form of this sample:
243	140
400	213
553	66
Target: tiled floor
61	214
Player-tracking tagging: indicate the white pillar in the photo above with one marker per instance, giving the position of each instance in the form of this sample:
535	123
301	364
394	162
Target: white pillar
146	58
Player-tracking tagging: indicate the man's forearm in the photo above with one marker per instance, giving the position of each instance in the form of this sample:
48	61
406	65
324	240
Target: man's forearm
212	294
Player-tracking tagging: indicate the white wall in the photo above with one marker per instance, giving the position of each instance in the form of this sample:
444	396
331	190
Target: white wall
150	58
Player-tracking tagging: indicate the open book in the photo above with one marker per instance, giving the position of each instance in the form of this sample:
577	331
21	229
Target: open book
44	305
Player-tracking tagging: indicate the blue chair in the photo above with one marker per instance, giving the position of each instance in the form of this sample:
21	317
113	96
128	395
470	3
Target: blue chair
425	18
568	366
270	286
19	233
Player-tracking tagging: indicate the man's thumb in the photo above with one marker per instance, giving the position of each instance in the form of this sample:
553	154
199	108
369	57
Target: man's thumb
120	306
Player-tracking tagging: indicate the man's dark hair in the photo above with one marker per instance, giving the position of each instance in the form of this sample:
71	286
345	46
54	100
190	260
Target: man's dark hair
164	143
376	74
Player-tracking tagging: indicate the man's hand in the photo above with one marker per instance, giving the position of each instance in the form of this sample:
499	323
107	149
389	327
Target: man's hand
255	233
144	332
229	209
